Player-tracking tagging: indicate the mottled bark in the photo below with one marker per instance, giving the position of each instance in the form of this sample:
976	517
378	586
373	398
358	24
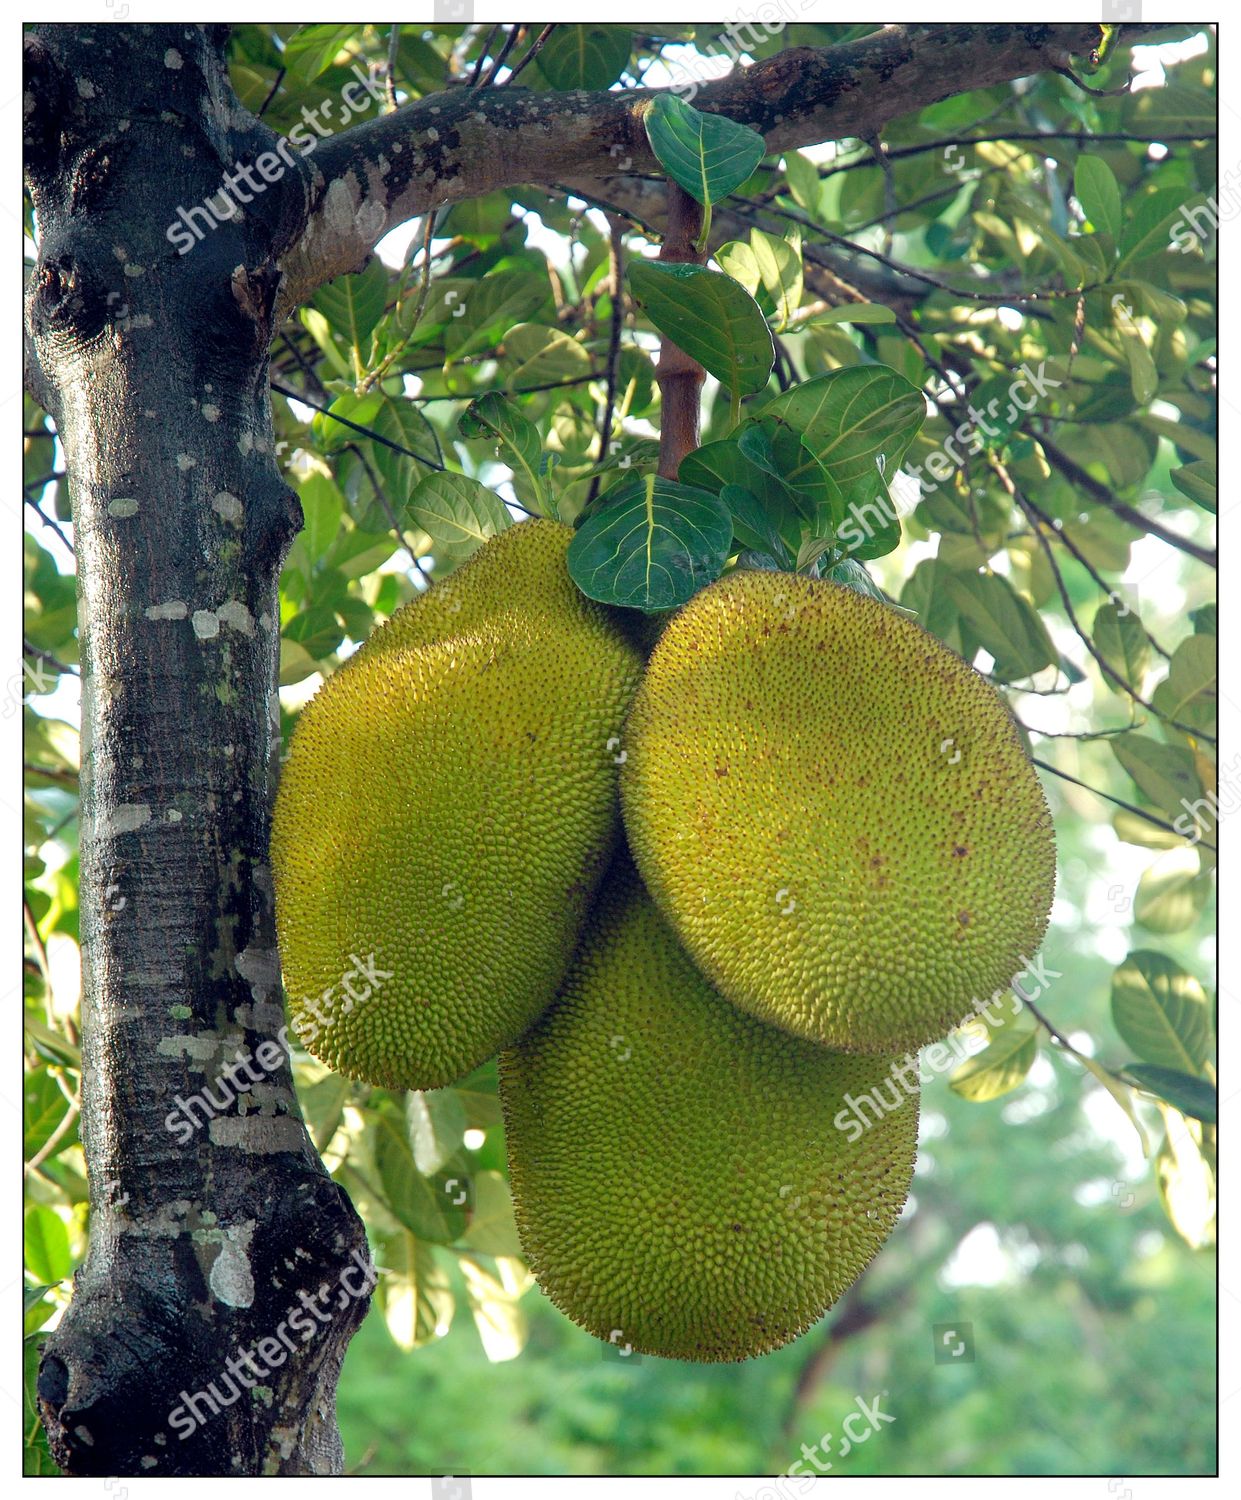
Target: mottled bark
154	366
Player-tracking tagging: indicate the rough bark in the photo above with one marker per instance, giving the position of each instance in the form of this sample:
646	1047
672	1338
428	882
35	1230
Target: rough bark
155	369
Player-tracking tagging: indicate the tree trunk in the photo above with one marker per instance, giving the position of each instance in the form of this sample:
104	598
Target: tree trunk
217	1251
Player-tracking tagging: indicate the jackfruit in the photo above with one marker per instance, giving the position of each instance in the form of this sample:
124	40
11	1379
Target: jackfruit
447	809
689	1181
835	813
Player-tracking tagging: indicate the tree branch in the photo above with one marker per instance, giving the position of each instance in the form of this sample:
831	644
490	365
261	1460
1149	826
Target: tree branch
463	142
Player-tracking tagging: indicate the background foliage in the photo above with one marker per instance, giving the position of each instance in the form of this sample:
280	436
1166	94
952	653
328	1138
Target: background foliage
1063	1206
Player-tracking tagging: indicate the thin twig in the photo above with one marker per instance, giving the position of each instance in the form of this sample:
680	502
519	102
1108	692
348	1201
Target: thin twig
271	93
502	56
394	43
382	496
476	77
368	432
536	47
616	273
1138	812
49	522
1100	660
1074	472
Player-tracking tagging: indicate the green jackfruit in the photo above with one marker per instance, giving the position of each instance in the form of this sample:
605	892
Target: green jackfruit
681	1183
835	813
447	809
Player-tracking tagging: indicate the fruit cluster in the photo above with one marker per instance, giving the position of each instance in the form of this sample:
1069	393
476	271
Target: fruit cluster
697	902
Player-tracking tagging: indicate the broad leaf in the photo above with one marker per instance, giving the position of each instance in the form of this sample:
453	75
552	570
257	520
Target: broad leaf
1004	624
999	1067
1165	774
651	545
711	317
709	155
585	57
457	513
1161	1012
1098	193
1192	1096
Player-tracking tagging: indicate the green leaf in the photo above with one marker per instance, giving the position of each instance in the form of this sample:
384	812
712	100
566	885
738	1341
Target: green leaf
323	505
711	317
652	544
36	1308
1143	377
708	155
435	1207
736	259
1148	230
401	422
1186	1179
857	422
311	50
323	1106
851	312
491	306
1172	892
457	513
715	465
805	184
1199	481
520	445
1004	624
1189	693
493	1298
999	1067
436	1122
354	304
1161	1012
537	356
1122	643
44	1107
46	1245
1192	1096
585	57
779	266
415	1292
751	524
1165	774
36	1456
1098	193
493	1229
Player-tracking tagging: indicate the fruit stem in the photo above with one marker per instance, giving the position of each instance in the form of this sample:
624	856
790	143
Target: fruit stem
680	377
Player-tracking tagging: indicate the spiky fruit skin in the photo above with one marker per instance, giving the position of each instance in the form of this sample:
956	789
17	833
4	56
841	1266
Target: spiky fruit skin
521	571
835	813
679	1181
444	817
